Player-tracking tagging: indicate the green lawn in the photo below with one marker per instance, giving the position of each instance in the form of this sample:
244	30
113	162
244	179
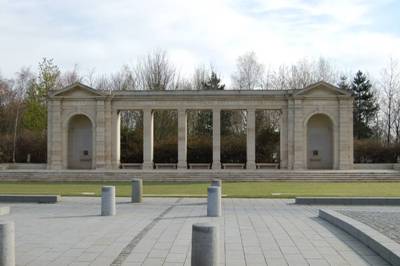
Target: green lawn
230	189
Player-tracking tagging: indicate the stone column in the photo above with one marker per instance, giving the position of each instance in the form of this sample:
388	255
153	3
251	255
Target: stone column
299	140
100	135
251	139
115	139
182	139
216	139
147	139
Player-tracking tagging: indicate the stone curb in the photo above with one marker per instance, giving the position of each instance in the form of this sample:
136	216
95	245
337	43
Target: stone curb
30	198
382	245
348	201
4	210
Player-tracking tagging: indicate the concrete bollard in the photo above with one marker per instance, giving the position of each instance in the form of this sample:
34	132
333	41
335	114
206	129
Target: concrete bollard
216	182
214	202
7	243
205	238
137	190
108	201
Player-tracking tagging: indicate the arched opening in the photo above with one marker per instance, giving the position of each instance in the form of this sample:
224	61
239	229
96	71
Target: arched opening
319	142
80	142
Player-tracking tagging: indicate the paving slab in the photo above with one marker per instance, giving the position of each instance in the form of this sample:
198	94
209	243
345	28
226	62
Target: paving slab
4	210
158	232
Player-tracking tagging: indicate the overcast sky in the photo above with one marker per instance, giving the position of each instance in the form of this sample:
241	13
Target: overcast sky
105	35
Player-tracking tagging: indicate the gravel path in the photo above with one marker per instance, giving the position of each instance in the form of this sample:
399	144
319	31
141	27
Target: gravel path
386	222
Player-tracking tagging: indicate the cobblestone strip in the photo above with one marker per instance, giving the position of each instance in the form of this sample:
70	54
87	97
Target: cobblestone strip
129	248
385	222
387	248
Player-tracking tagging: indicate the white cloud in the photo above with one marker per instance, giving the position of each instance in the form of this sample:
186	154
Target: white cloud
107	34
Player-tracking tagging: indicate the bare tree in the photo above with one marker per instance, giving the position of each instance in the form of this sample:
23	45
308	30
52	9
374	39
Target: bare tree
102	83
90	78
249	74
70	77
123	80
325	71
155	72
279	78
183	84
390	86
396	120
302	74
23	81
200	76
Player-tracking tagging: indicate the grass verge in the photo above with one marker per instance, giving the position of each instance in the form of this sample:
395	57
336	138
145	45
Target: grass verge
199	189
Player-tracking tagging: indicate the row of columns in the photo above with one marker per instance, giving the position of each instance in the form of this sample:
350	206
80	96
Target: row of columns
148	128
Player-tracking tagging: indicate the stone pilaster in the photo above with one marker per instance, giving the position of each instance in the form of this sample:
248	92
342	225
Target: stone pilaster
299	140
100	135
216	138
108	134
49	133
57	159
148	121
345	134
290	134
251	139
182	139
283	129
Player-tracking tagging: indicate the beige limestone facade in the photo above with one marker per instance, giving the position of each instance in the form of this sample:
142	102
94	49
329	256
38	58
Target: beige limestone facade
316	125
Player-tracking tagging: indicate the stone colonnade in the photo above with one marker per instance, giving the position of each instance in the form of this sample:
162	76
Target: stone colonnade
148	127
296	107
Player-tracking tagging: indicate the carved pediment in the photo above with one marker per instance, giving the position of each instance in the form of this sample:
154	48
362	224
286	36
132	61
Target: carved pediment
78	90
322	89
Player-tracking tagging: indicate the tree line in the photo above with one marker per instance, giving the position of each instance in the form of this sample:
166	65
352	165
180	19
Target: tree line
23	107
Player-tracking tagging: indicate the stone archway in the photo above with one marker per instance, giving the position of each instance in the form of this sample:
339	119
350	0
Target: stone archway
319	142
80	142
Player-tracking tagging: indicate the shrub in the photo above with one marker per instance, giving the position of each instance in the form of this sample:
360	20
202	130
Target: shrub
372	151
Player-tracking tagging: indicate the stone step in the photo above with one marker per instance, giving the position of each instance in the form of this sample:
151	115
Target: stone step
193	175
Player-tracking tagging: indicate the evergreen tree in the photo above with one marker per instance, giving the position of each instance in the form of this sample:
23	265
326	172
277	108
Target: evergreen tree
213	83
365	106
343	83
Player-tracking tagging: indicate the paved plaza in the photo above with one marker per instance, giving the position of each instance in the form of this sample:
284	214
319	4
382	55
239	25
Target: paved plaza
158	232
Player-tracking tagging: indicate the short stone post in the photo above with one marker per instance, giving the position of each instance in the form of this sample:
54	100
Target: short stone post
108	201
7	243
216	182
214	201
137	190
205	238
